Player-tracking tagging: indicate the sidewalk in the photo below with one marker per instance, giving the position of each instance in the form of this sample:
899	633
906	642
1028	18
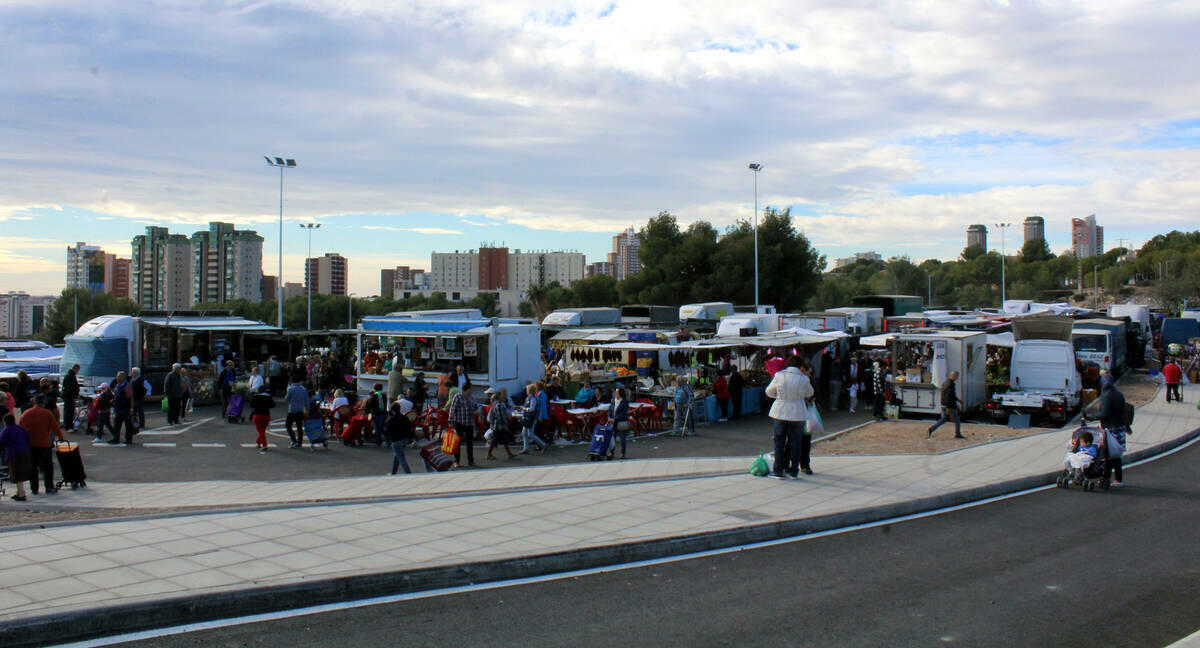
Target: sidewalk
391	535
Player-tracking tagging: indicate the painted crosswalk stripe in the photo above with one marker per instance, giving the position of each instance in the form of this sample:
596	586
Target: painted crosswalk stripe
255	445
208	445
159	445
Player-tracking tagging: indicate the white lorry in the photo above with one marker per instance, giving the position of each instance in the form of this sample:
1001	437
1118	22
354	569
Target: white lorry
1043	378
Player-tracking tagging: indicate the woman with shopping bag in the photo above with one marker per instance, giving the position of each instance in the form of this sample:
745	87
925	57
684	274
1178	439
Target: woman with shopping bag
790	388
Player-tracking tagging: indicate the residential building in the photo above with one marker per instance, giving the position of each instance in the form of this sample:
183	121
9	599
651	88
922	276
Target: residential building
493	268
858	256
85	267
387	283
454	270
91	268
599	268
269	288
977	237
226	265
293	289
327	275
624	256
508	302
23	315
1087	238
162	269
526	269
1035	228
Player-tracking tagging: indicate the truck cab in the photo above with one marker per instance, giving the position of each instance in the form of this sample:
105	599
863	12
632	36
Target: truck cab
1093	346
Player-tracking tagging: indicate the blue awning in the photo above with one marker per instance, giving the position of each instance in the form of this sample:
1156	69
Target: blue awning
423	327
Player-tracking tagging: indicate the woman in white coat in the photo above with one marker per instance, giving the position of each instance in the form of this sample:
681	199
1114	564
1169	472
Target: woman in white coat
790	388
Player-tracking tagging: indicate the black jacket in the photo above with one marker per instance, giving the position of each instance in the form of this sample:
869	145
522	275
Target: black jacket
261	404
1112	409
399	428
949	394
70	386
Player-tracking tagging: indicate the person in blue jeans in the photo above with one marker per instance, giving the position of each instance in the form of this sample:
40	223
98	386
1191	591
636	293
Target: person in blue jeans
618	417
399	432
791	390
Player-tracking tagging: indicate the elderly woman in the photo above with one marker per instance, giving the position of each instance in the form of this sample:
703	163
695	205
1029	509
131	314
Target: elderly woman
790	388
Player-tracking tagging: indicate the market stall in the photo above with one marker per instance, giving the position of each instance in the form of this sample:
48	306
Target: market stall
922	361
497	353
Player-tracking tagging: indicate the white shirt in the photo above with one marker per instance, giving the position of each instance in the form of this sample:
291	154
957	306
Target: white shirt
256	383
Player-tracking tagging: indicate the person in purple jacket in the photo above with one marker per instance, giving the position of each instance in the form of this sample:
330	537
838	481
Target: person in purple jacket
14	446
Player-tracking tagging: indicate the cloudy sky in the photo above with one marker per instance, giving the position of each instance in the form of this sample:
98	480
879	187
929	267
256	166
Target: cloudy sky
421	126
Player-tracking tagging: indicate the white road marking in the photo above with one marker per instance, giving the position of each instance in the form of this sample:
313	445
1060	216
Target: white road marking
159	445
477	587
255	445
208	445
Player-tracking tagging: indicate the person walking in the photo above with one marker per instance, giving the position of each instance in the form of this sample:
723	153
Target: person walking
43	427
14	448
226	380
140	389
854	380
684	418
23	392
103	404
297	400
1172	376
261	405
122	409
185	403
399	433
790	388
878	390
396	379
462	416
529	421
256	381
950	403
736	384
70	394
618	417
1112	419
173	392
274	376
543	412
498	423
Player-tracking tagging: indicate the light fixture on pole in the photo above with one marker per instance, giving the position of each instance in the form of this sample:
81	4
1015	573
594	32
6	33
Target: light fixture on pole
289	163
350	309
756	168
1003	295
308	267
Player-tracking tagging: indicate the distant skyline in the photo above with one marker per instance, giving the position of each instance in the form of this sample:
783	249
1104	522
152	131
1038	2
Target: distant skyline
423	127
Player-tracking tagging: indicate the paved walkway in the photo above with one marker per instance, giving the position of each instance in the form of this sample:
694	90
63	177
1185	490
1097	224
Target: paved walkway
457	518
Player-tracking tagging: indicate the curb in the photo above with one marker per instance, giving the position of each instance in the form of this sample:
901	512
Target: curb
84	624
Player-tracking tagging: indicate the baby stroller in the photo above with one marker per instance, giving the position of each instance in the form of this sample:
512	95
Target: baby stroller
1087	475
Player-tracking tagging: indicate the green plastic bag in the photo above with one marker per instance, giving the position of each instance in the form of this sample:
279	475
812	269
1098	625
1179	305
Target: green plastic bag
164	403
759	467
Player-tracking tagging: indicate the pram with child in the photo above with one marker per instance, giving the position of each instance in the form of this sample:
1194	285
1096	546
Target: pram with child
1086	463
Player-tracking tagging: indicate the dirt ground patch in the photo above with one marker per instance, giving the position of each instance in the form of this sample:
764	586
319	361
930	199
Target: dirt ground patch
911	437
10	515
1138	388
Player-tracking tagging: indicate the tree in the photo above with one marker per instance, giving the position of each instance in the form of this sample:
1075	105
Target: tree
61	315
1035	250
600	290
971	252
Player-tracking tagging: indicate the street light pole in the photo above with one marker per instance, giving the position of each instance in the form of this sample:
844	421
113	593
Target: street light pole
307	270
350	310
282	164
1003	253
756	168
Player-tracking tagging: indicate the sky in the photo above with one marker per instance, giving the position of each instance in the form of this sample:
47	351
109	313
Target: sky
439	126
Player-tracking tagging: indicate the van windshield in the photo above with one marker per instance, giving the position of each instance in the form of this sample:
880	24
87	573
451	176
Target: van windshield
1091	342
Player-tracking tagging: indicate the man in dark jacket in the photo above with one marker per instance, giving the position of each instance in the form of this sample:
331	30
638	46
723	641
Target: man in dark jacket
173	390
949	406
1112	419
70	393
122	409
138	383
736	384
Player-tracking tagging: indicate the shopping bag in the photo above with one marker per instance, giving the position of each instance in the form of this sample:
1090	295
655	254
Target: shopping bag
815	424
163	402
1115	447
892	412
759	467
450	441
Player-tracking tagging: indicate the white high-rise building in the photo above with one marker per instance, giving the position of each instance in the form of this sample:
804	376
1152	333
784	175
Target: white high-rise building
454	270
527	269
23	315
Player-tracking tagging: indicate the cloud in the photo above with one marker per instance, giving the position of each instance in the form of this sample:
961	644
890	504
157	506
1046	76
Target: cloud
894	125
418	230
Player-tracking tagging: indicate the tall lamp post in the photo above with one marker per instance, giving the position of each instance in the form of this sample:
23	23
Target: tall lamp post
756	168
350	310
1003	295
282	164
308	271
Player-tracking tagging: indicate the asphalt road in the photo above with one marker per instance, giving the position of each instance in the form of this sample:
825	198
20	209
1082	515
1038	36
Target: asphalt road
1057	568
208	447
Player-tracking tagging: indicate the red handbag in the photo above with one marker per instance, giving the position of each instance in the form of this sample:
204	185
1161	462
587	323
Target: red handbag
450	441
